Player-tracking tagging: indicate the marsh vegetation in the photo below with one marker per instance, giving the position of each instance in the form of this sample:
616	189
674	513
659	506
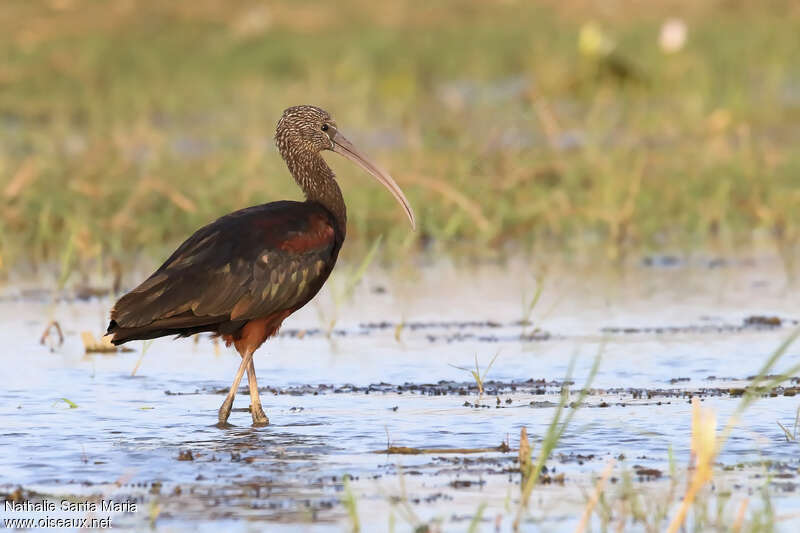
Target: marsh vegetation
592	330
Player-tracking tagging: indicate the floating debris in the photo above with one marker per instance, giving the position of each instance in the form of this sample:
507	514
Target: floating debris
93	345
749	323
538	387
646	474
440	388
70	403
763	321
405	450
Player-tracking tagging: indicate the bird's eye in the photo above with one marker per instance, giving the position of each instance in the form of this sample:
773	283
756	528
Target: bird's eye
324	127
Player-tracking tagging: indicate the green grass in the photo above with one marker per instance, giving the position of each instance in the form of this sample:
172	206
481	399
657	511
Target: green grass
530	470
478	375
792	436
125	126
350	503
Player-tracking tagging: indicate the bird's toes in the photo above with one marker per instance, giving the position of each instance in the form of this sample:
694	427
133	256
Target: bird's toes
259	418
261	422
224	412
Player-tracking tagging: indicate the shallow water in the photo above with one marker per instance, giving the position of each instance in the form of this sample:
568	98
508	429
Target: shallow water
387	376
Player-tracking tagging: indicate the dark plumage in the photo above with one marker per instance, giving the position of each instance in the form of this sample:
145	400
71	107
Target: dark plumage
281	255
242	275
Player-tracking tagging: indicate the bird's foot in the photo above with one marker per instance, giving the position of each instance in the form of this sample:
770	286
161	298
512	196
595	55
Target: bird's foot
225	411
259	417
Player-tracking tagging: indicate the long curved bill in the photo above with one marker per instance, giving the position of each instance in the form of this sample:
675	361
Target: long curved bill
344	147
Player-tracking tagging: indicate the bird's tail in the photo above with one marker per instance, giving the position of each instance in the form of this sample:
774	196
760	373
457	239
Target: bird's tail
183	326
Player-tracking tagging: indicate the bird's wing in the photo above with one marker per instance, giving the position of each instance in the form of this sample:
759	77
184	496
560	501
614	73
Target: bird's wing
245	265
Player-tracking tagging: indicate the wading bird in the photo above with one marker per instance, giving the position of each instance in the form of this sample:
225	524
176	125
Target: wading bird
242	275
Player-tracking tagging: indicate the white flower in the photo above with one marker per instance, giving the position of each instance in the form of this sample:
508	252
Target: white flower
673	35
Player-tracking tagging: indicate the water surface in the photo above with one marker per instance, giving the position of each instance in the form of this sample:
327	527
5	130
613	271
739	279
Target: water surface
386	375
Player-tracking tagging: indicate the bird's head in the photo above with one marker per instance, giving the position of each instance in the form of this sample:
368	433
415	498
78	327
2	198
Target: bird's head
304	131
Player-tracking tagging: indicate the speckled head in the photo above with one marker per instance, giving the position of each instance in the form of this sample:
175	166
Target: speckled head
302	133
304	129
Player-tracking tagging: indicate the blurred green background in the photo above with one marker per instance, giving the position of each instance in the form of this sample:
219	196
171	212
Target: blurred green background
554	126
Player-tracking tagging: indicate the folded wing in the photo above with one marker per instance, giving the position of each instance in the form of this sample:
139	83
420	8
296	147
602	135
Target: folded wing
246	265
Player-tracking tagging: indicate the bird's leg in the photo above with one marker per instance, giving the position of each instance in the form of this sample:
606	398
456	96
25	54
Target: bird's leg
225	410
259	418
